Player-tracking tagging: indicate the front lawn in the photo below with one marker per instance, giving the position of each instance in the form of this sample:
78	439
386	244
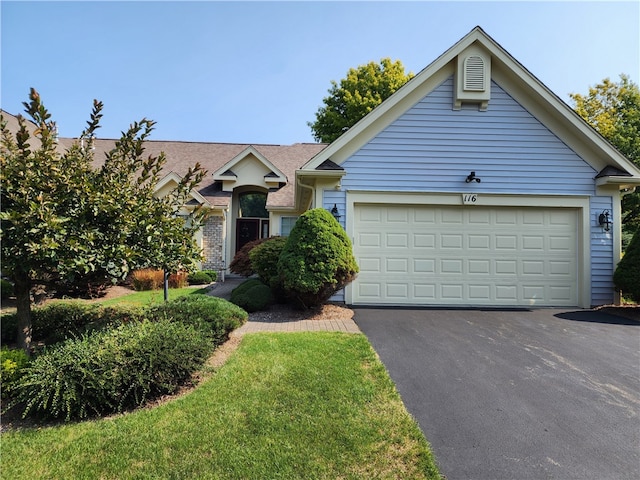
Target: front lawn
286	405
149	297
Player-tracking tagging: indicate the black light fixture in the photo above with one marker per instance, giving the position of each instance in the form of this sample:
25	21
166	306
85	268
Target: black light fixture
605	221
334	211
472	178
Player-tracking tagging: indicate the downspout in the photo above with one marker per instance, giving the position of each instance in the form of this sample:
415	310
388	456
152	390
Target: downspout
224	245
311	189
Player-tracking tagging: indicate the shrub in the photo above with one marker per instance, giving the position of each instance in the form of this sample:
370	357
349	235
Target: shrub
244	286
8	328
199	278
147	279
177	280
12	363
627	275
112	370
317	259
6	289
212	274
264	259
241	263
254	298
215	316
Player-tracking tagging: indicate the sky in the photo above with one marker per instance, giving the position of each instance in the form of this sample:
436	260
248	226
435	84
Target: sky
256	72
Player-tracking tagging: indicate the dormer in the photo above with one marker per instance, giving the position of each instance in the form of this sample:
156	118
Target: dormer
249	167
473	78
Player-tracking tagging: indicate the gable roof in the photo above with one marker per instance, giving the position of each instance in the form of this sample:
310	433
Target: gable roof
514	78
283	160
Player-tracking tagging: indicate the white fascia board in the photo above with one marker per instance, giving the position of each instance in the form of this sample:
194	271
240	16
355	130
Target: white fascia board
217	175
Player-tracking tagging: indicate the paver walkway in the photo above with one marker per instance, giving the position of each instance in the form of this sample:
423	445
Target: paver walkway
223	290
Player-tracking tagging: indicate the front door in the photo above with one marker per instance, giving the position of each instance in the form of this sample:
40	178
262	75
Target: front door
247	230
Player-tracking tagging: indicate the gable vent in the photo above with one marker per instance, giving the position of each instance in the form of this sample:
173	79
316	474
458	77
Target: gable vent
474	74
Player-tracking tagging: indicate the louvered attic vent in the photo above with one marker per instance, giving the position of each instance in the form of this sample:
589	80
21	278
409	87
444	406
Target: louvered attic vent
473	78
474	74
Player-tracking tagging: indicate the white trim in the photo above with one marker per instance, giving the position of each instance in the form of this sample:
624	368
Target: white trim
281	177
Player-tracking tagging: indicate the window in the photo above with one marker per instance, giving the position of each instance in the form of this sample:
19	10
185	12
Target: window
253	205
286	225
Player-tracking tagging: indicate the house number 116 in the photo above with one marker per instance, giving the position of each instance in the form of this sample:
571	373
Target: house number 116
469	198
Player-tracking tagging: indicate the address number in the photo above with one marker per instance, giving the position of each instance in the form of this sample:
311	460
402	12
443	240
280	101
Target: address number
469	198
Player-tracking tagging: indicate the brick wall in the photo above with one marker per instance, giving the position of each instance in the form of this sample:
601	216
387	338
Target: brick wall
212	244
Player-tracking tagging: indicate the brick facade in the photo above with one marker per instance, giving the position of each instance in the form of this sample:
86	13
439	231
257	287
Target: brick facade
212	241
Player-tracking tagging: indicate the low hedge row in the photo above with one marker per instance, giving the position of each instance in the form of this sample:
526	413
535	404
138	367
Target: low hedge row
145	352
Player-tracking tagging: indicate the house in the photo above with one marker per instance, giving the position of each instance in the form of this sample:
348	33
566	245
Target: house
472	185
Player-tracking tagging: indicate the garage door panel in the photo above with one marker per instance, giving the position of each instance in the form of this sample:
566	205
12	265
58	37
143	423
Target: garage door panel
465	255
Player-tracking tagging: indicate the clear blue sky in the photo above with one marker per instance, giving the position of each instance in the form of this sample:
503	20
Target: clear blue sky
256	72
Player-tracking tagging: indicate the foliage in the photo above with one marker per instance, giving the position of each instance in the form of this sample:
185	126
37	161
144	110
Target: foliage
315	405
212	274
215	316
264	260
627	275
147	279
317	259
241	263
613	109
362	90
178	279
252	296
199	278
12	363
112	370
61	218
58	321
6	289
151	297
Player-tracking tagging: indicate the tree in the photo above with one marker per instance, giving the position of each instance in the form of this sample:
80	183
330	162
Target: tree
363	89
627	275
317	259
61	218
613	109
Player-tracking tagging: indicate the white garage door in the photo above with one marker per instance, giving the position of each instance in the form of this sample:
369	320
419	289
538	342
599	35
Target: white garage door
471	255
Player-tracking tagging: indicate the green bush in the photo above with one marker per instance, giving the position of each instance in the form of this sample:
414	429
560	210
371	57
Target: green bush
264	260
6	289
112	370
212	274
241	263
215	316
627	275
12	363
317	259
58	321
255	298
199	278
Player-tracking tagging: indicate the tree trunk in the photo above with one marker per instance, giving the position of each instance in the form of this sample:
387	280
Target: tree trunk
22	289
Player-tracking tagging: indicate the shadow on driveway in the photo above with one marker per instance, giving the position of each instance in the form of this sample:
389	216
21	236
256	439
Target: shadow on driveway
517	394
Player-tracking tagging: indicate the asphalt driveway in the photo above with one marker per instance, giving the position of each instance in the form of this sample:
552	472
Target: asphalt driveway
517	394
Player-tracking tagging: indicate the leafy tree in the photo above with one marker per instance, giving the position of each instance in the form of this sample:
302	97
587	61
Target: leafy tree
627	275
613	109
363	89
61	218
317	259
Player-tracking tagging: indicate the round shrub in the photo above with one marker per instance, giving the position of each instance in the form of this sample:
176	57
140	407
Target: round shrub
212	274
6	289
241	263
627	275
214	316
317	259
199	278
112	370
12	363
254	299
244	286
264	259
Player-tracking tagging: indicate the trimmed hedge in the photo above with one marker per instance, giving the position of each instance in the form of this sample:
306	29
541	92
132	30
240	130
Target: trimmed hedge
264	260
113	370
627	275
317	259
199	278
252	296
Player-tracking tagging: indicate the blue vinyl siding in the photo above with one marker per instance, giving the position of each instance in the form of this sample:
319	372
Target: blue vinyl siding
433	148
329	199
602	291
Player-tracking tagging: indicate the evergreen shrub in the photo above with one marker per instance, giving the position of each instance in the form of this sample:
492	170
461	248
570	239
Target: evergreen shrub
256	297
199	278
264	260
317	259
626	278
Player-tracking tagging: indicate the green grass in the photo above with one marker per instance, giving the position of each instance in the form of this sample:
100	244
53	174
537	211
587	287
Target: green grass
285	406
149	297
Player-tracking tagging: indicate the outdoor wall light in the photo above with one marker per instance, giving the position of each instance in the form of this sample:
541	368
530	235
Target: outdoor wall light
334	211
472	178
604	221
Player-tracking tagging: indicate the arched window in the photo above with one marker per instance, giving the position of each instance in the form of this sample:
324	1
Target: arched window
253	205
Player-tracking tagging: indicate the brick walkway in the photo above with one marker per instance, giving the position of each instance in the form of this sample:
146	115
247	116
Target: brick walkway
223	290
